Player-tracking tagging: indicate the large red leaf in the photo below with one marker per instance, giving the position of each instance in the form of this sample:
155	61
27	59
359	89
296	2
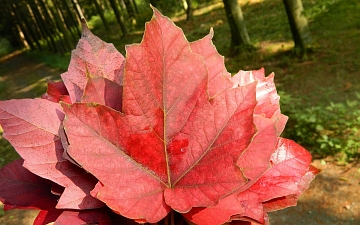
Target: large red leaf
92	57
174	142
279	187
267	116
32	127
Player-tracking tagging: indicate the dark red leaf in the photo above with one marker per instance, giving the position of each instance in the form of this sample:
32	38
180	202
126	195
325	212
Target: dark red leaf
56	91
47	216
22	189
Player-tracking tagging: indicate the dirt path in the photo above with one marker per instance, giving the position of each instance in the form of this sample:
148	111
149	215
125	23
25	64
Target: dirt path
333	197
22	77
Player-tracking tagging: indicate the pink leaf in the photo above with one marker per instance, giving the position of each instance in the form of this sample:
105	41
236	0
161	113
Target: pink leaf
279	187
218	78
32	127
103	91
92	57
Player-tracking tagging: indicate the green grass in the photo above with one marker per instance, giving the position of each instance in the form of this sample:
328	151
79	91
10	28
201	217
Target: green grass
328	77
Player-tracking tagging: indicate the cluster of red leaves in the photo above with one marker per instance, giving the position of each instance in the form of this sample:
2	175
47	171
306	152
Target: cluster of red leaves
168	129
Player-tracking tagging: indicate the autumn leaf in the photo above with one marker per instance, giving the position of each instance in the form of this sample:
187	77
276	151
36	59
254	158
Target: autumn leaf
92	57
170	121
166	129
278	188
21	189
56	92
32	127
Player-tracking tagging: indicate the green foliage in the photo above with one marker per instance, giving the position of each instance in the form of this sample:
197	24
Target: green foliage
5	46
333	129
316	8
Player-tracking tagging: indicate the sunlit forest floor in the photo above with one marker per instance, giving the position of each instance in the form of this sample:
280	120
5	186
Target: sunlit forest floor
330	73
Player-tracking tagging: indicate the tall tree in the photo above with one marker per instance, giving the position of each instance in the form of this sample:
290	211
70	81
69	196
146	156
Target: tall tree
119	17
61	26
298	24
129	8
100	11
24	26
78	10
133	2
71	20
239	35
189	10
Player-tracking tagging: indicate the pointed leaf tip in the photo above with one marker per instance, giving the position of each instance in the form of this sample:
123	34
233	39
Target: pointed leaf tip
85	27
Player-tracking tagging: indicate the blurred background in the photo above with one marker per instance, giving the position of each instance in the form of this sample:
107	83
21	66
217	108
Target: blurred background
312	46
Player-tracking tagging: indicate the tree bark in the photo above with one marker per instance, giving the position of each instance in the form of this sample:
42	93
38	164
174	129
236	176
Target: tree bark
239	35
298	25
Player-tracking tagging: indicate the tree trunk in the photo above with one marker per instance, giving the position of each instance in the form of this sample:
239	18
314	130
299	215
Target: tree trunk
28	28
43	26
60	24
78	10
28	35
101	14
188	9
53	17
72	21
239	34
119	17
129	8
298	24
135	6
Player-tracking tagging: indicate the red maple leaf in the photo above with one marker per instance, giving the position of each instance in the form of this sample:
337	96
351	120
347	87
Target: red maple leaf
167	128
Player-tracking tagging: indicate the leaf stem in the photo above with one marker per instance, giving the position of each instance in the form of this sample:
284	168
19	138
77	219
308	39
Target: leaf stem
172	217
